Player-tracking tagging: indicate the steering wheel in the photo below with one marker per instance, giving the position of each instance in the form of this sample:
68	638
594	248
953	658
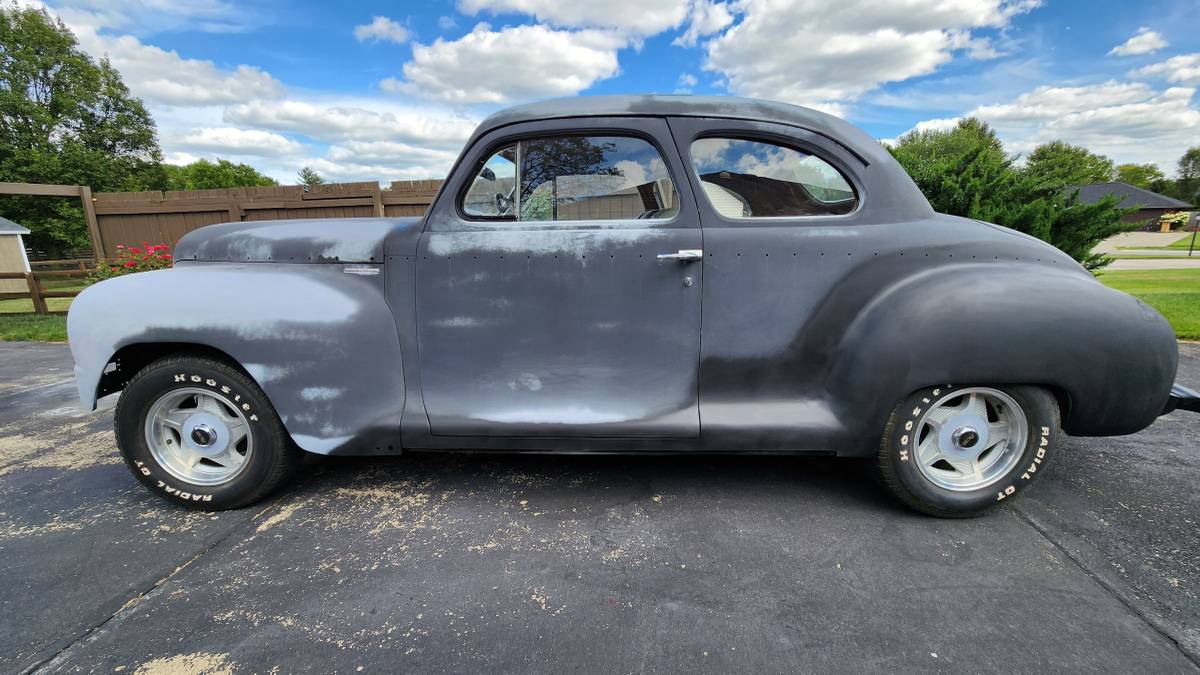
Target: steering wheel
504	203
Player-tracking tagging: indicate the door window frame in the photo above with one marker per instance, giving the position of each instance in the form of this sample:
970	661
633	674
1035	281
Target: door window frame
446	213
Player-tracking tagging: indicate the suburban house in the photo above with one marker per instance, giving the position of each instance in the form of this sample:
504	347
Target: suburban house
12	256
1150	206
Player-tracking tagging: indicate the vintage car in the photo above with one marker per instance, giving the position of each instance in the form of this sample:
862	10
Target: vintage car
639	274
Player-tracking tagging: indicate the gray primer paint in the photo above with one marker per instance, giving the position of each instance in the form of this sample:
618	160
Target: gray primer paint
314	338
796	335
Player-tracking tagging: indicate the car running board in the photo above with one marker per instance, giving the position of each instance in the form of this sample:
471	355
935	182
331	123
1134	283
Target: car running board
1182	398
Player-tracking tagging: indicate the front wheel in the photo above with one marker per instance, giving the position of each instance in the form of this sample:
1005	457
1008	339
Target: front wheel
201	434
957	452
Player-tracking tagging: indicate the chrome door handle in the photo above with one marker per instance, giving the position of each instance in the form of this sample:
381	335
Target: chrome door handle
683	255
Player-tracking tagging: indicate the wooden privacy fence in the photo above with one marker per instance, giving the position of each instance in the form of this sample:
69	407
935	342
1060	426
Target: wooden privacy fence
131	218
37	292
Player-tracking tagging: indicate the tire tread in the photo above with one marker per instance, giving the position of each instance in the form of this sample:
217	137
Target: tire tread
285	463
885	472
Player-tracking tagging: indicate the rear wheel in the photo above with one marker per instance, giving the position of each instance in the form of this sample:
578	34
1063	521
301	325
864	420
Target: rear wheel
959	451
200	433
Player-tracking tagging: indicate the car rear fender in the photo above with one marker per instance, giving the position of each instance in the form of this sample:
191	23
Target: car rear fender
1112	356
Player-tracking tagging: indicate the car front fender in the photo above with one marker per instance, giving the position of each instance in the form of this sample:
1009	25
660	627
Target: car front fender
321	343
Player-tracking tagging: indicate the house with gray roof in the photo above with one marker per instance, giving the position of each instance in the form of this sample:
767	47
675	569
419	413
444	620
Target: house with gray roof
1150	206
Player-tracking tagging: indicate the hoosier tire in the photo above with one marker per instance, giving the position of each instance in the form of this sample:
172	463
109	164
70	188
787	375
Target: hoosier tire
201	434
958	452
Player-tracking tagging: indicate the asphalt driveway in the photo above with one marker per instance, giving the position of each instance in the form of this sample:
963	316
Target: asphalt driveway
578	563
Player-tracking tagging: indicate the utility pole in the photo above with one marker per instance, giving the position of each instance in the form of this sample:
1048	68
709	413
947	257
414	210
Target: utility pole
1192	244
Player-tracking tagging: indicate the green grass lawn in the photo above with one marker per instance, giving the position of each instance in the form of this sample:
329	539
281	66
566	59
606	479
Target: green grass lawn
1184	242
1174	293
53	304
17	326
33	327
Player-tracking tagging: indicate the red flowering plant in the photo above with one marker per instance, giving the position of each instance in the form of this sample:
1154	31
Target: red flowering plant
132	259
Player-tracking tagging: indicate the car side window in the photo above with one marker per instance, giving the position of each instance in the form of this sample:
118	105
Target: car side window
755	179
565	178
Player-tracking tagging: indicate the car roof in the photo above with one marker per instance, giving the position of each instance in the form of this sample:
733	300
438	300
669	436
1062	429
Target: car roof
658	105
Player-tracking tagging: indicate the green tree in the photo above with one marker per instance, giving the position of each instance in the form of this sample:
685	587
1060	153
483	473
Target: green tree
308	177
1187	176
965	172
1145	176
65	118
205	175
1055	165
546	159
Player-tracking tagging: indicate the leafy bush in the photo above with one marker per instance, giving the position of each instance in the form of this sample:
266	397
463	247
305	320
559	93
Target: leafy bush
965	172
1176	219
134	259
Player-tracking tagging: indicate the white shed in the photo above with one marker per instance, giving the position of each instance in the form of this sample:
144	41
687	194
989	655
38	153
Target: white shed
12	255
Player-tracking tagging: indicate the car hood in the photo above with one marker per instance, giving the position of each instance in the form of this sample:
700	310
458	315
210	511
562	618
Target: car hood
328	240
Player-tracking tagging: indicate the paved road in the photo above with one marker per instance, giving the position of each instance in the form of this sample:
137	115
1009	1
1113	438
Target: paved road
610	564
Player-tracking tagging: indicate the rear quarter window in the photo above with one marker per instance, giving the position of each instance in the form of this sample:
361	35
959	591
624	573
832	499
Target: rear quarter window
745	178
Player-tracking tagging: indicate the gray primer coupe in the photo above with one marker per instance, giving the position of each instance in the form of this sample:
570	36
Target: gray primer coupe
628	274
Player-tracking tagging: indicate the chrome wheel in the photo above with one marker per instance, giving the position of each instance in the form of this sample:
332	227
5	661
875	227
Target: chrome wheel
970	438
198	436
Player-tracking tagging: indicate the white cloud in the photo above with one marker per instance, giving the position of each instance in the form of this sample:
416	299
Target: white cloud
354	119
180	158
632	17
381	29
937	124
977	48
162	76
388	152
1182	69
344	138
1145	41
351	171
158	75
1129	122
802	52
143	17
364	139
447	23
704	18
511	64
234	141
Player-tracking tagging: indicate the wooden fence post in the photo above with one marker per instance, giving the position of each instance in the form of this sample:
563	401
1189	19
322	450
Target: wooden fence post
35	294
377	201
89	214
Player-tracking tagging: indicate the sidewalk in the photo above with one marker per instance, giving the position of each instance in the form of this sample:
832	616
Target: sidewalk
1155	264
1139	239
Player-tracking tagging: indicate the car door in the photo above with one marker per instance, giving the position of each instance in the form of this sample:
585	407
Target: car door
559	284
783	236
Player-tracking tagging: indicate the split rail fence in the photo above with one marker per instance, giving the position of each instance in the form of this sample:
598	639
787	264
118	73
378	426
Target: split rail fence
35	280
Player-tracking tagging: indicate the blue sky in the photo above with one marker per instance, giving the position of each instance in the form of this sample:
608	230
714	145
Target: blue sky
383	91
